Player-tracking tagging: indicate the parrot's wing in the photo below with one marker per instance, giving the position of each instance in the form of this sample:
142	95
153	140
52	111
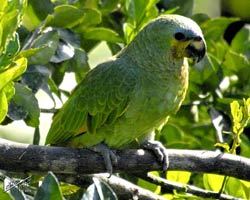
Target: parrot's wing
99	99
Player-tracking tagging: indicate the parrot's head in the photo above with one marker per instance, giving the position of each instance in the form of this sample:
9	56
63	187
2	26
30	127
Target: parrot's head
174	35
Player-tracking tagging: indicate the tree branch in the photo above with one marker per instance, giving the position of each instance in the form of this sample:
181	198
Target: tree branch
19	157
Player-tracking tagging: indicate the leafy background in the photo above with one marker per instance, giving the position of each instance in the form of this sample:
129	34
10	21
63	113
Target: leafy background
47	47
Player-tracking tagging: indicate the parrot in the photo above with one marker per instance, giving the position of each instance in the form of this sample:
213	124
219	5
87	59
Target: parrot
121	102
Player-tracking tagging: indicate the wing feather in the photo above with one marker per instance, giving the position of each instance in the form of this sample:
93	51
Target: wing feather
99	99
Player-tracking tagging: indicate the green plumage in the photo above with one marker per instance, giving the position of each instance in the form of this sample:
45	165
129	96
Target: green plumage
121	101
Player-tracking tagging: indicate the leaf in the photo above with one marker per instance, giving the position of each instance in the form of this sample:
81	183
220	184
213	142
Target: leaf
104	190
47	42
237	188
24	105
79	64
91	18
36	12
49	189
99	190
108	6
35	76
17	194
61	18
11	49
4	195
241	41
129	33
91	193
171	134
179	176
211	30
63	52
102	33
235	61
13	72
3	105
8	24
136	9
148	185
213	182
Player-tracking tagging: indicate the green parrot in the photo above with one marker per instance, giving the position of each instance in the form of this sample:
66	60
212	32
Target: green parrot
120	103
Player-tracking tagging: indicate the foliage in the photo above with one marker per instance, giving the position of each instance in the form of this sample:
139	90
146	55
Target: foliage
40	43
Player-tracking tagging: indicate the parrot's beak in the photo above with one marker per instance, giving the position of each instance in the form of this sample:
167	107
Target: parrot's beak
196	49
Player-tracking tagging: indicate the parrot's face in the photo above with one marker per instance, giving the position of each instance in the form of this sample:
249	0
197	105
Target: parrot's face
181	34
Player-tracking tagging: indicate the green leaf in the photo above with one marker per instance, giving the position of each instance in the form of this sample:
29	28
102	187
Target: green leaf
61	18
136	9
129	33
10	16
182	7
238	188
99	190
24	105
213	182
17	194
108	6
4	195
48	43
171	134
214	28
235	61
5	95
102	33
11	49
91	17
49	189
36	12
35	77
79	64
241	41
148	185
104	190
9	91
13	72
179	176
27	53
3	105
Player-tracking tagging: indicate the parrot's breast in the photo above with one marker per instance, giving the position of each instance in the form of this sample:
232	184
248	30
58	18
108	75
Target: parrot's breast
155	97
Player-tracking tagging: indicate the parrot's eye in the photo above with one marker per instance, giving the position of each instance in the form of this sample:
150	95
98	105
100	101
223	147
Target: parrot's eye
179	36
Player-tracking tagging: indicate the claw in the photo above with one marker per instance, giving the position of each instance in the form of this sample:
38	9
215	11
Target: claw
108	155
160	152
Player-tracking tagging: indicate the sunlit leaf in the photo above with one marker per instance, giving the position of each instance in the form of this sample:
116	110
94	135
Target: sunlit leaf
3	105
213	182
13	72
179	176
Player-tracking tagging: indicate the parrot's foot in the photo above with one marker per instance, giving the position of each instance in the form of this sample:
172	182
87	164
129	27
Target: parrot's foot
159	150
108	155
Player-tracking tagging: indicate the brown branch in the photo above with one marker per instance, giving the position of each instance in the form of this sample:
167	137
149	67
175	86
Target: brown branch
18	157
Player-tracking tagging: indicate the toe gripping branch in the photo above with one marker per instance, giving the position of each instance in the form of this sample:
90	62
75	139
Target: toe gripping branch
160	152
